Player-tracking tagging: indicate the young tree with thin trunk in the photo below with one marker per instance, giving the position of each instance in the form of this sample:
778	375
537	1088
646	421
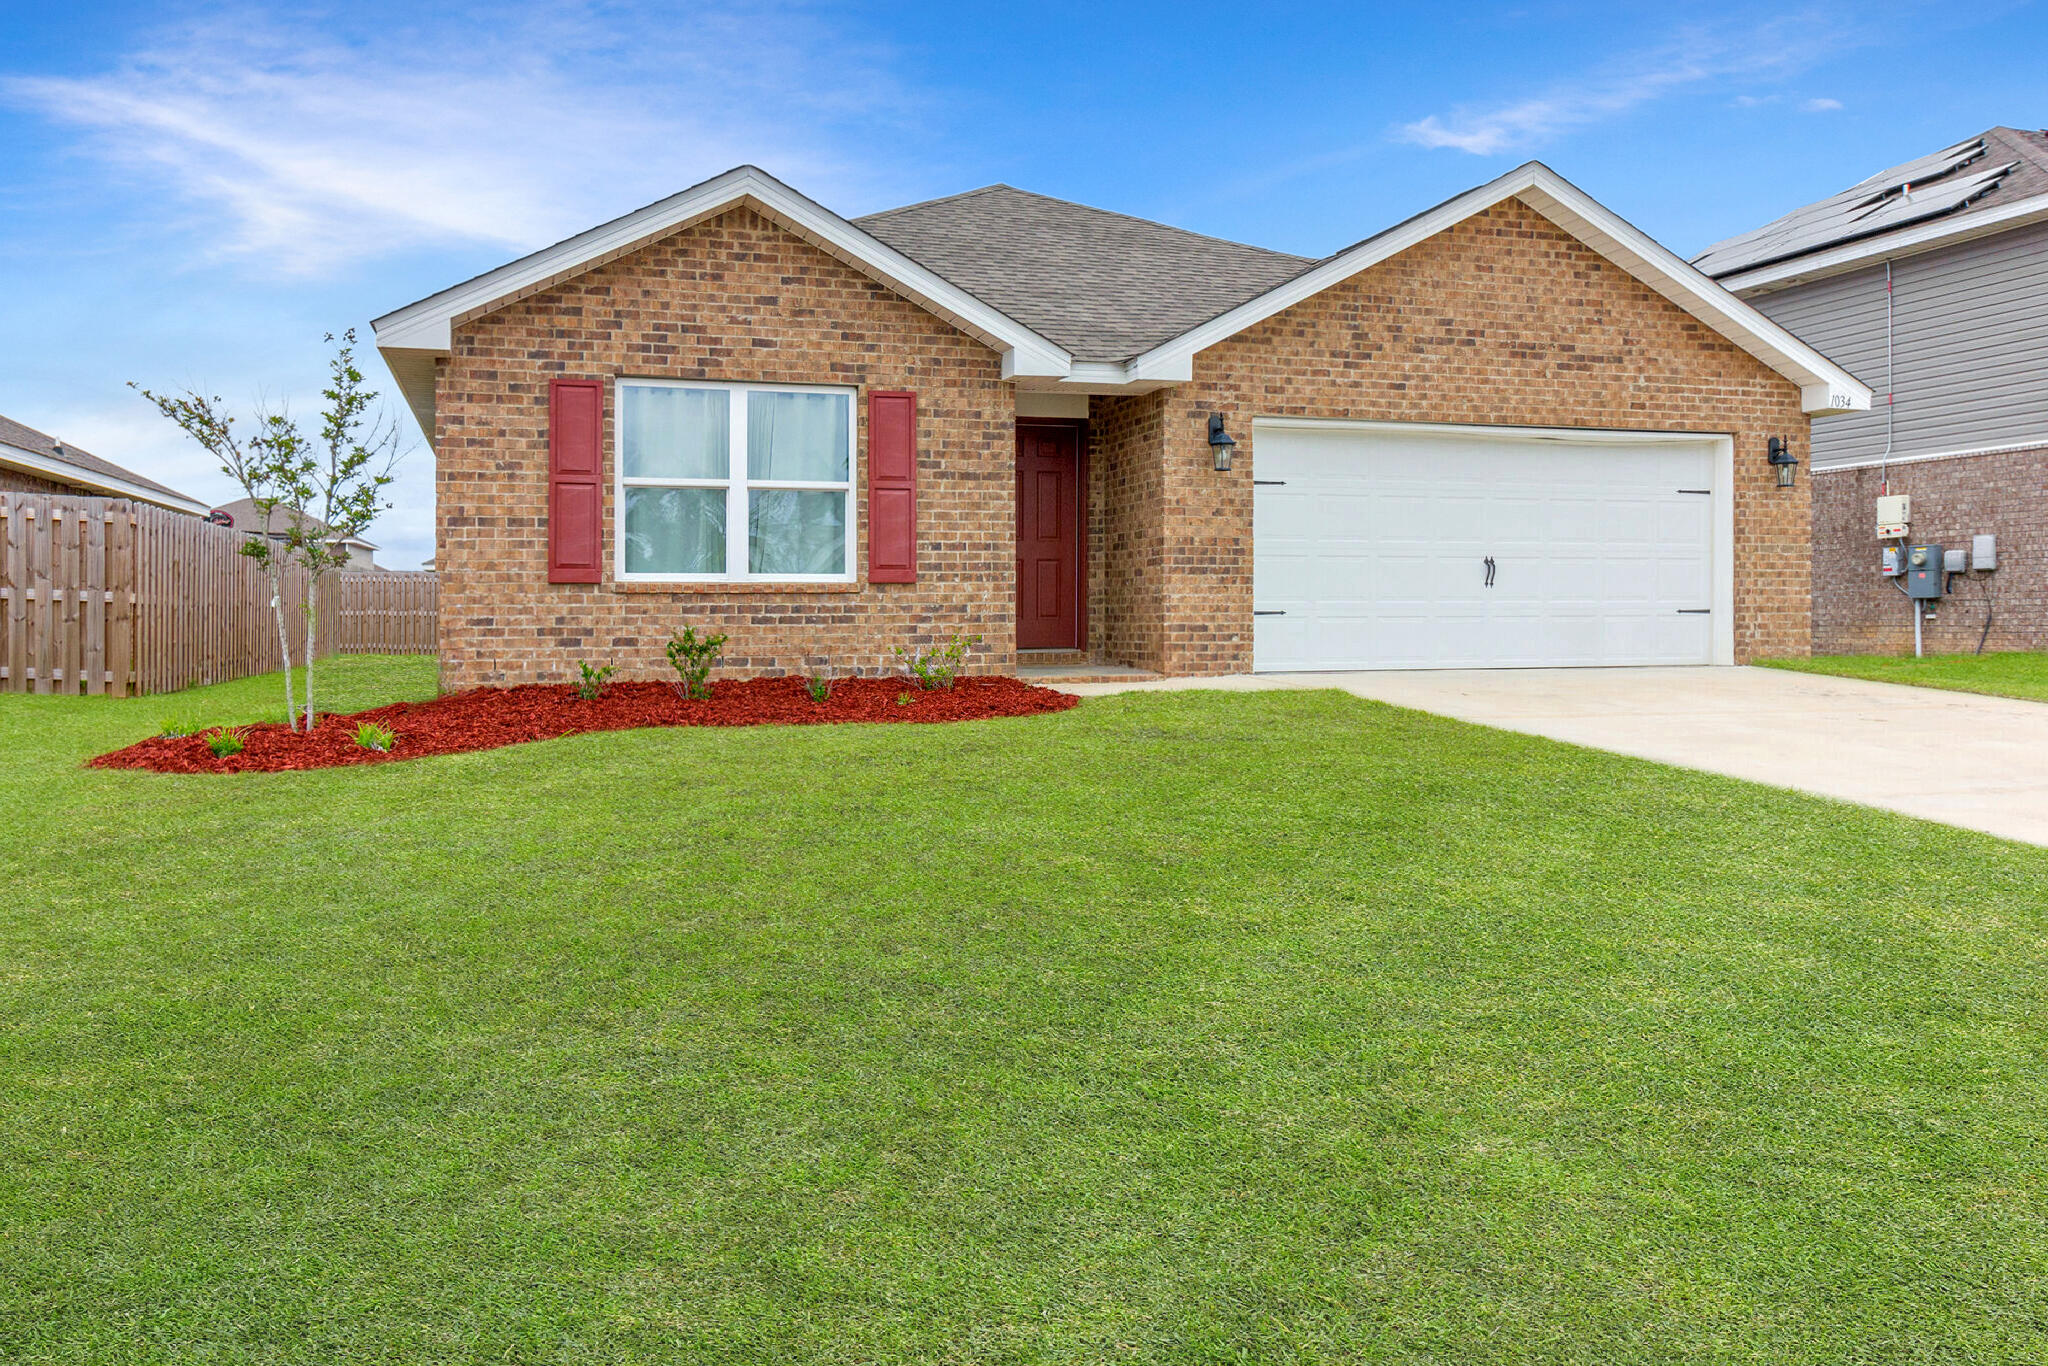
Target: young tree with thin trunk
343	487
270	468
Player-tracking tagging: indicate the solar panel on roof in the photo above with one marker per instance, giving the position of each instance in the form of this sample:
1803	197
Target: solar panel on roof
1927	167
1871	205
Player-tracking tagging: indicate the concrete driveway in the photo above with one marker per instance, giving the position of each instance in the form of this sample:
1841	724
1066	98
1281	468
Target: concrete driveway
1976	762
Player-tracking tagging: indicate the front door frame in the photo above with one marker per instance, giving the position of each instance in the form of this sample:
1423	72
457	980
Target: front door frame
1079	427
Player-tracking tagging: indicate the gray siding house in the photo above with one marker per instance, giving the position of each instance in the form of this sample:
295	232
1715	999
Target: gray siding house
1929	281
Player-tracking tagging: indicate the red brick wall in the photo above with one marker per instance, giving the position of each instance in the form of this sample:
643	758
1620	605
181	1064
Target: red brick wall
1856	610
734	298
1126	552
1501	319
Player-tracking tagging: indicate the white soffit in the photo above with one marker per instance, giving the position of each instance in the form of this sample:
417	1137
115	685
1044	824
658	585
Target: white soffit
411	337
1824	386
112	486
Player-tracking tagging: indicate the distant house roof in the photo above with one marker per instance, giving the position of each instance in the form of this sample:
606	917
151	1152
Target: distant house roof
243	516
1103	285
25	448
1983	184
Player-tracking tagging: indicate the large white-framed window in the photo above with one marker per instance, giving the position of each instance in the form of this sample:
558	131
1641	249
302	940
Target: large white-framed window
734	483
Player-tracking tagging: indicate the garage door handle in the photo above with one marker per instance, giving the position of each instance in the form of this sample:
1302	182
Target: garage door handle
1269	483
1695	611
1269	612
1490	567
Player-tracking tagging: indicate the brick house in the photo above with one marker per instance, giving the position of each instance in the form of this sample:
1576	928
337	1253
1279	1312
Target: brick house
1510	431
1930	280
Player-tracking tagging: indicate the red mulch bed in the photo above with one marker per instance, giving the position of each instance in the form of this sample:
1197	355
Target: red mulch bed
485	718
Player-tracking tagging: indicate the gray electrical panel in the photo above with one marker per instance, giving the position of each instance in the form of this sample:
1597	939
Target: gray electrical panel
1956	561
1983	552
1924	571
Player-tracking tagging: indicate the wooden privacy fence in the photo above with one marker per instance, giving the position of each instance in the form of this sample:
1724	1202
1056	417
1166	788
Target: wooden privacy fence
104	595
382	612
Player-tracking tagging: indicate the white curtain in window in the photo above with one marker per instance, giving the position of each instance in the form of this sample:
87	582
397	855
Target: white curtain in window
796	531
797	436
673	433
675	531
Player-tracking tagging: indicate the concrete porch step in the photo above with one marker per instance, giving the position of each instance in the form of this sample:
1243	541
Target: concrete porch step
1082	672
1060	657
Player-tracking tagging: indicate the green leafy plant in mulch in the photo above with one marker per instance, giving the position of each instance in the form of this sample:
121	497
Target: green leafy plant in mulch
596	678
936	667
225	741
370	735
692	656
171	728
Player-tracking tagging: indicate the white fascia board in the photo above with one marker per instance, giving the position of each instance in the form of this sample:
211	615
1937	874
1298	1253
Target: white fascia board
1824	386
1910	241
118	488
429	325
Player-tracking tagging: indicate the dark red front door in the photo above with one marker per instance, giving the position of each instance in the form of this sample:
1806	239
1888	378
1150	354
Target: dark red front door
1048	538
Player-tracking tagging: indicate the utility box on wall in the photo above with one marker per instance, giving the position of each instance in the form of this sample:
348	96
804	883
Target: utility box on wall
1924	571
1894	514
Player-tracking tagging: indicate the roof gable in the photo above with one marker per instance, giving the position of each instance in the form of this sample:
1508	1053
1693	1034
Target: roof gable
1824	386
412	336
1104	285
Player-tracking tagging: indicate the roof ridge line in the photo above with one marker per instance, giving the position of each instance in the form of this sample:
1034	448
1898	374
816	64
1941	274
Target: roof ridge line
1098	209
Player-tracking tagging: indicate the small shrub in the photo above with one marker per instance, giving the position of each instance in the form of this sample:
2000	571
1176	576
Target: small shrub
935	668
173	729
227	740
819	683
595	680
692	656
370	735
904	699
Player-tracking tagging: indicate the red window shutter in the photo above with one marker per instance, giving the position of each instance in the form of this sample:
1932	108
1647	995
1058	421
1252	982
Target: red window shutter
892	488
575	480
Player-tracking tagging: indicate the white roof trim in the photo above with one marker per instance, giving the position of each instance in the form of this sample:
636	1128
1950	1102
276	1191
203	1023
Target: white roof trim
1937	232
428	326
72	474
1824	387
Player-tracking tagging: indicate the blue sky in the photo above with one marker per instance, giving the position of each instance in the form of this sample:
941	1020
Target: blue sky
193	194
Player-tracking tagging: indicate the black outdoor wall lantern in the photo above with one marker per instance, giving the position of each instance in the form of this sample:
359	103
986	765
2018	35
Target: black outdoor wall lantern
1783	461
1220	443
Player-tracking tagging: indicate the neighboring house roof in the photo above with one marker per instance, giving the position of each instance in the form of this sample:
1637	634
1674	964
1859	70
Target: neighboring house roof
1103	285
243	516
1988	183
27	449
1086	301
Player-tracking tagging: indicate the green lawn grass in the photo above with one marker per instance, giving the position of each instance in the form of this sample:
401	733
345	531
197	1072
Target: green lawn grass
2010	673
1186	1027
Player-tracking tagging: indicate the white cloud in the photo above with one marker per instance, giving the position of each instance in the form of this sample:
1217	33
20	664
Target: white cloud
1694	58
1821	105
304	153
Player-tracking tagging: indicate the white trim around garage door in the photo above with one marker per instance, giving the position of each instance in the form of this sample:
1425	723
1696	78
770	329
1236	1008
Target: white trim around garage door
1721	446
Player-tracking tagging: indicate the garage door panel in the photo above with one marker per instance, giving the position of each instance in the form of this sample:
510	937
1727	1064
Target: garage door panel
1375	549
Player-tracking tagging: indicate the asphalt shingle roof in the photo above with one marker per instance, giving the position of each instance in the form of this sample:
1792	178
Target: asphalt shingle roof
1103	285
28	439
1862	211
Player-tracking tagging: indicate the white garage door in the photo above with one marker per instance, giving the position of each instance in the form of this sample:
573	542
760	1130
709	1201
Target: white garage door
1392	546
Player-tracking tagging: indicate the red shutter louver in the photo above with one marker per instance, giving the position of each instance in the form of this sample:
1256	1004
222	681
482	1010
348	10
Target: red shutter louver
575	480
892	488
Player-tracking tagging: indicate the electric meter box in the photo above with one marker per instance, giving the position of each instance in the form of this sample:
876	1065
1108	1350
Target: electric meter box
1894	562
1924	571
1894	514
